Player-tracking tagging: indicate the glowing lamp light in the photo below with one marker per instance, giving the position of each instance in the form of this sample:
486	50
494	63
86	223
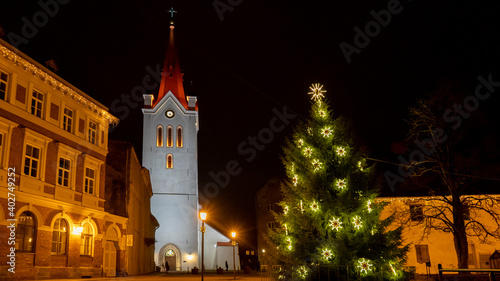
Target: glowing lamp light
77	230
263	250
233	234
203	216
189	257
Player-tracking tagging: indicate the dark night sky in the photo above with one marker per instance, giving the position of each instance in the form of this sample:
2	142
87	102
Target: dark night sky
262	56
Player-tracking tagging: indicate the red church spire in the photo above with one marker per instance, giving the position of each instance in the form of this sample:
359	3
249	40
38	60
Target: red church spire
171	76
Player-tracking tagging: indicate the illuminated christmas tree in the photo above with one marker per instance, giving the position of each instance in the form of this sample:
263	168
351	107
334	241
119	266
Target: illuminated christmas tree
330	224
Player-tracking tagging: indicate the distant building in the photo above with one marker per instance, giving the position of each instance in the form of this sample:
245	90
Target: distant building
128	194
266	203
170	153
437	247
53	147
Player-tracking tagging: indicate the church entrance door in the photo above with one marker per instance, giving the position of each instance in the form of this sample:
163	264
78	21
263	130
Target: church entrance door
170	259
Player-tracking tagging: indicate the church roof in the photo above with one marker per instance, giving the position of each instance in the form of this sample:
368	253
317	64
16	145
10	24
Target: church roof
171	76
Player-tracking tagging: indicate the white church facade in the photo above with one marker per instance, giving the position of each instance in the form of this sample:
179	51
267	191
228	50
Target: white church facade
171	124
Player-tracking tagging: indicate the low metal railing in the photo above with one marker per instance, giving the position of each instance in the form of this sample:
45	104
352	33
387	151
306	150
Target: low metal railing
490	271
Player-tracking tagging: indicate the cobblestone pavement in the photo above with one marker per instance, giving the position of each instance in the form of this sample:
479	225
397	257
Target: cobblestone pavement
175	277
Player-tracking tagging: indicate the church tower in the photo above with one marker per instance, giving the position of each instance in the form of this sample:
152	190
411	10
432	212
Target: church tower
170	153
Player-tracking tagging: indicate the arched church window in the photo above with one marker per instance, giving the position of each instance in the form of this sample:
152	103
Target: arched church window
159	136
87	240
26	232
179	136
170	137
170	161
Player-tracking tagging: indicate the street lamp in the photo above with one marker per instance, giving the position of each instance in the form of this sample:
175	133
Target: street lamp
233	234
203	217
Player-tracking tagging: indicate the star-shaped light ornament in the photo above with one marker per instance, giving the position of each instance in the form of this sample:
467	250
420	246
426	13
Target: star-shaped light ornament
341	184
335	223
357	222
285	210
316	165
326	132
314	206
322	113
316	92
301	142
327	254
340	151
364	266
295	180
307	151
302	271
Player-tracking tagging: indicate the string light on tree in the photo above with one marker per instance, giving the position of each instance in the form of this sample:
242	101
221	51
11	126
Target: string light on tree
360	166
308	151
314	206
302	271
316	92
341	184
301	142
340	151
295	180
364	266
309	131
285	211
357	222
335	223
369	205
317	165
322	114
327	254
326	132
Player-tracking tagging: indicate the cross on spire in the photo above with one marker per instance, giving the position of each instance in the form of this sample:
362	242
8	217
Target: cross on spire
172	11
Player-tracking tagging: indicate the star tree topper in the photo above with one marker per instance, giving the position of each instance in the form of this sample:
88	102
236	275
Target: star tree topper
316	92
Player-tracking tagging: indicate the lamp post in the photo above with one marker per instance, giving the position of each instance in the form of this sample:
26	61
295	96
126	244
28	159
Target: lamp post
203	217
233	234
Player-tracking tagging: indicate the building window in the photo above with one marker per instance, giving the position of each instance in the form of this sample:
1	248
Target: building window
37	103
26	232
159	136
31	161
417	213
59	237
92	132
89	181
63	172
68	120
270	225
170	161
422	252
4	78
86	241
179	137
270	207
170	137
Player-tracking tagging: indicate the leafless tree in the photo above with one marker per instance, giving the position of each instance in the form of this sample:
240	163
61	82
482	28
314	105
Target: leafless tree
447	156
